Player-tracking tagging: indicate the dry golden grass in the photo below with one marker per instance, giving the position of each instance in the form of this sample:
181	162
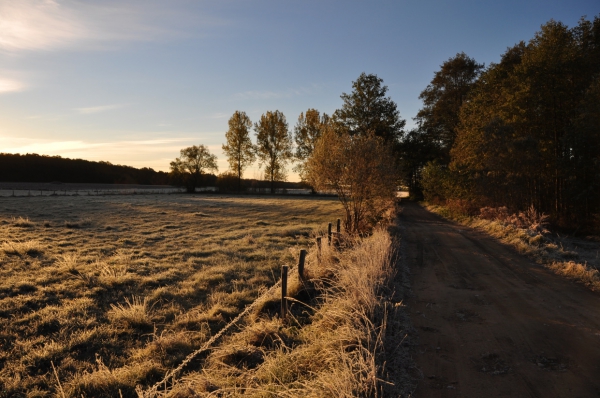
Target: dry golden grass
116	290
328	347
23	222
135	313
30	248
572	258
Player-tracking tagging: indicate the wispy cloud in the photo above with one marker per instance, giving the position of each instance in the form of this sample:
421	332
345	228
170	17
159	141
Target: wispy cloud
97	109
266	95
38	25
219	116
50	147
10	85
29	25
138	153
259	95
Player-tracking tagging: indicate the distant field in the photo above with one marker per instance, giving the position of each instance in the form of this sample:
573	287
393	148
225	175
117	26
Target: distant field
80	189
71	189
133	282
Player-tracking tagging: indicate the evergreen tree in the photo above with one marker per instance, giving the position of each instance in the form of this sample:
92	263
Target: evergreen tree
366	110
442	100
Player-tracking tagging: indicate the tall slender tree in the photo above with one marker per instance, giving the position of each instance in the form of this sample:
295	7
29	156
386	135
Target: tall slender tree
307	132
273	145
239	148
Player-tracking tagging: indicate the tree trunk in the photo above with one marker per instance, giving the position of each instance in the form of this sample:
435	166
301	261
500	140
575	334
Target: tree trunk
272	184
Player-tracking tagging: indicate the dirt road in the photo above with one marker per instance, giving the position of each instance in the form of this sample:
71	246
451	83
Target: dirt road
493	324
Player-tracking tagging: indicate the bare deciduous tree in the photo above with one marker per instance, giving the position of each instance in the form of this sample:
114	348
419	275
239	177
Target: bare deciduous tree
361	169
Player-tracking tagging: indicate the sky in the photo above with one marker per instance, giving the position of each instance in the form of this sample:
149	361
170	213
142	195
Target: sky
133	82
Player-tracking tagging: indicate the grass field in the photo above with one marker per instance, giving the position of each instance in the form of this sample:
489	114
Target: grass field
133	283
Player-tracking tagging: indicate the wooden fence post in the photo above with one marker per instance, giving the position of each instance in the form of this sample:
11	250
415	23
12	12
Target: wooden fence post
284	275
319	249
338	234
329	234
301	263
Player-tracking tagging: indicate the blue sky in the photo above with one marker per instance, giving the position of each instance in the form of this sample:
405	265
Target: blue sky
132	82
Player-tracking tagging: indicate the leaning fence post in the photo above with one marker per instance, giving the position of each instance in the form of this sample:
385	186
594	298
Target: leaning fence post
338	233
319	249
284	274
329	234
301	263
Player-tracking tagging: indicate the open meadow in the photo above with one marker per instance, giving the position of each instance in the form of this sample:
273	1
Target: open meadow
133	283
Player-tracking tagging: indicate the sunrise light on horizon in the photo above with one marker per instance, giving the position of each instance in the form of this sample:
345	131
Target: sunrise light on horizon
133	82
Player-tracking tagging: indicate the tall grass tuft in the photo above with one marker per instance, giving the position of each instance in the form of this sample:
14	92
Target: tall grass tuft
106	382
68	262
31	248
23	222
135	313
581	272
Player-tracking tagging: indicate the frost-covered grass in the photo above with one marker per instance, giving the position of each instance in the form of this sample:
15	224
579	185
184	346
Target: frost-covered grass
331	345
115	290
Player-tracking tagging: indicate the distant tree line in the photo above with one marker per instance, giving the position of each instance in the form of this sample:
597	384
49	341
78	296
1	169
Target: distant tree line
42	168
522	132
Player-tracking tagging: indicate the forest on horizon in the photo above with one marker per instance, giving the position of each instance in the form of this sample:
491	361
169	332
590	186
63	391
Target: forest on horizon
43	168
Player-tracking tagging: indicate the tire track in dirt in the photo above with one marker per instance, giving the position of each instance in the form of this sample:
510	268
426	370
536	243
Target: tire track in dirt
492	323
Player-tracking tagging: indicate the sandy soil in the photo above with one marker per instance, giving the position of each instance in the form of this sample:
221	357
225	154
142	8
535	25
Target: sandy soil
492	323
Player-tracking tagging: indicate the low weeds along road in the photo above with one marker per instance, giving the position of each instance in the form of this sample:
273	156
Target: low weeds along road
491	322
